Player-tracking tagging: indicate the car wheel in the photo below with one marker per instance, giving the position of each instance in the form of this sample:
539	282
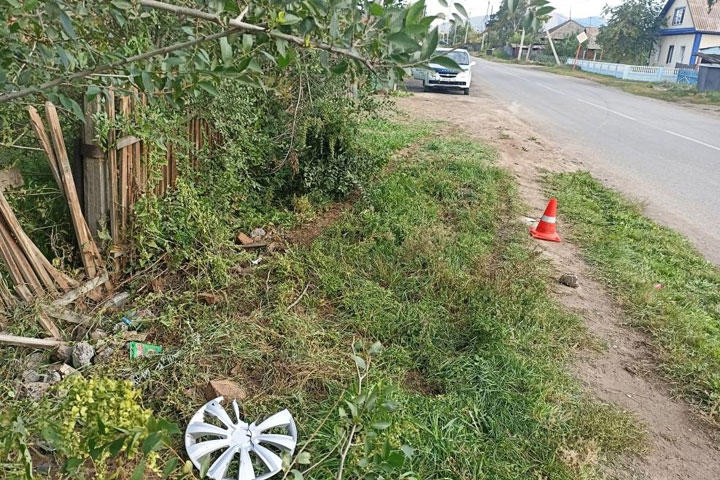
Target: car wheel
425	88
466	91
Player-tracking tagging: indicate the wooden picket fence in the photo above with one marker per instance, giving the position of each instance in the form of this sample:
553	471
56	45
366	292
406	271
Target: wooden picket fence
115	180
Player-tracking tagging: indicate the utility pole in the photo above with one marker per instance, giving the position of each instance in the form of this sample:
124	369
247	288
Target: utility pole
522	42
552	44
467	28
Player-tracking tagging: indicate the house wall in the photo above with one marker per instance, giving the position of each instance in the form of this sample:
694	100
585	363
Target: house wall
710	40
659	55
687	21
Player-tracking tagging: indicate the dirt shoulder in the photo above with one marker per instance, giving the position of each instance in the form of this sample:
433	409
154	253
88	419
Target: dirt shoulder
681	444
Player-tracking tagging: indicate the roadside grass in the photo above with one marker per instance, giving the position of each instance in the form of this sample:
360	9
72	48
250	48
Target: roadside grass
432	262
671	92
655	273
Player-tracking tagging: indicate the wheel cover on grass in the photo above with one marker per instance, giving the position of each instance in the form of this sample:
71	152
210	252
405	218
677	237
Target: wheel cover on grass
237	438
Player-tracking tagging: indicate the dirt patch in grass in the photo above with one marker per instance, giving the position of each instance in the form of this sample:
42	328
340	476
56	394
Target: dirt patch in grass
306	233
416	381
681	445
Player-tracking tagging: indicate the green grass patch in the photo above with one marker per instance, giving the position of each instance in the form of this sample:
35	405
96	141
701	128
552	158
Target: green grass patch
633	254
671	92
431	262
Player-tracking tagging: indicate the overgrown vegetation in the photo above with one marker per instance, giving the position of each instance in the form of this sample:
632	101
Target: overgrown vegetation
432	263
668	288
671	92
631	30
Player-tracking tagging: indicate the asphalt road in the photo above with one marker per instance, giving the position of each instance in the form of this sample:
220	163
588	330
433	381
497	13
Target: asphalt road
665	155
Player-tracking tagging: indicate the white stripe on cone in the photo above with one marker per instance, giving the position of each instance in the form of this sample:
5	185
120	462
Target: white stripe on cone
547	219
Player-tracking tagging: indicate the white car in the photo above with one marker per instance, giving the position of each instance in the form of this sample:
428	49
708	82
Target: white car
443	77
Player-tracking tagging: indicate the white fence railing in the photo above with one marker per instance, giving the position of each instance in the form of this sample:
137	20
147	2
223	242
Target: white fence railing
633	72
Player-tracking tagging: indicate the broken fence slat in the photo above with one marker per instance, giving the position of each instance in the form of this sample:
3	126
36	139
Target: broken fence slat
64	314
49	326
86	287
30	342
126	141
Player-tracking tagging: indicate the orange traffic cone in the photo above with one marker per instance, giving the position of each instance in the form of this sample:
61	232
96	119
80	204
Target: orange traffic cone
545	229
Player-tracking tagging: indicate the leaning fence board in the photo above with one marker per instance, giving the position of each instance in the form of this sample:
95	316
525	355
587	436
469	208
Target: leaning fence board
27	275
46	143
88	250
13	268
25	244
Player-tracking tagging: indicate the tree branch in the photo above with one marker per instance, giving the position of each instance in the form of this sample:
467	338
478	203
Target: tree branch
112	66
249	27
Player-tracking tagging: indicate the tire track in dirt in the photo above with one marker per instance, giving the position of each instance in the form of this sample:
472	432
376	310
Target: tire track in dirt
681	444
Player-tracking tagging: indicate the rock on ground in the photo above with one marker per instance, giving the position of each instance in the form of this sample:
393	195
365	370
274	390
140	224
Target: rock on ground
569	280
82	354
227	389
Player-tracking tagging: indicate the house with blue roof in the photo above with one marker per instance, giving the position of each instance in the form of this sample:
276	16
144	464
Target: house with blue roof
689	27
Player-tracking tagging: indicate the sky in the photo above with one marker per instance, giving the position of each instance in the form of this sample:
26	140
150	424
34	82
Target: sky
580	8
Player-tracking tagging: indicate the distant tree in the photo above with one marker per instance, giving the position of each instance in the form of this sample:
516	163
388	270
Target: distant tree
631	31
566	47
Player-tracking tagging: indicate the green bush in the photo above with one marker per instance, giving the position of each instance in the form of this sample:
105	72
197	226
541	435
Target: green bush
85	423
500	53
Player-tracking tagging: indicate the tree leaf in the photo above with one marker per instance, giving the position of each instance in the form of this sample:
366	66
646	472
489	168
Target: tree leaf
360	362
461	10
225	50
408	450
443	3
376	10
67	24
209	88
151	442
139	471
340	68
247	41
147	81
169	467
92	92
375	348
429	44
445	62
403	41
303	458
542	11
415	12
73	106
381	425
122	4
